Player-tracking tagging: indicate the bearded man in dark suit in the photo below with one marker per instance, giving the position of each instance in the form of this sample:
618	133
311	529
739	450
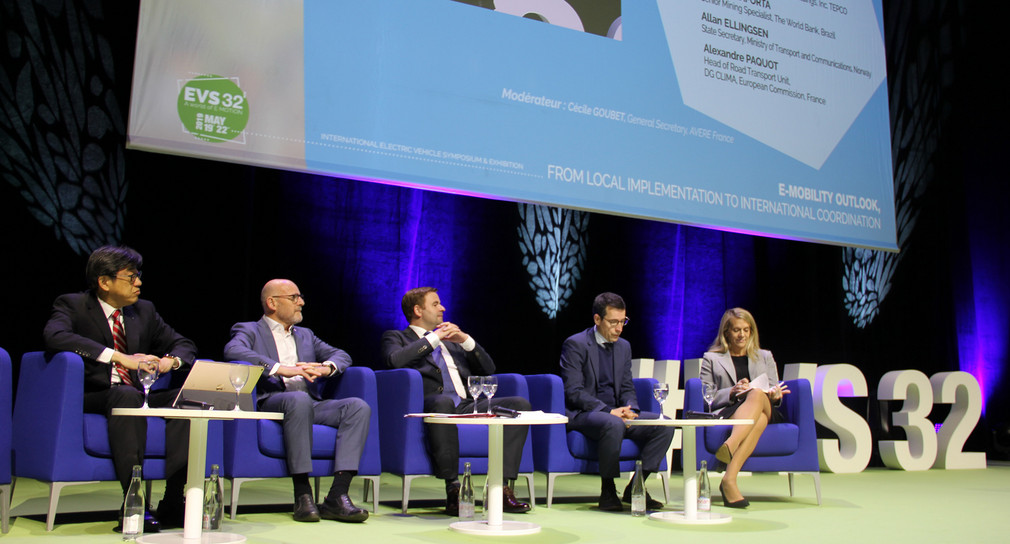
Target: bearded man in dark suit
446	356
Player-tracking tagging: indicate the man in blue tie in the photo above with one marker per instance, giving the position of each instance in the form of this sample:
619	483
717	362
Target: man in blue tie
446	356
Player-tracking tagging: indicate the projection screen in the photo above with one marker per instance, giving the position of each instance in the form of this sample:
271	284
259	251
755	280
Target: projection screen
759	116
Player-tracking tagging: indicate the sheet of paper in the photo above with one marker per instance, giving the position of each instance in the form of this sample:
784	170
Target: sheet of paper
761	382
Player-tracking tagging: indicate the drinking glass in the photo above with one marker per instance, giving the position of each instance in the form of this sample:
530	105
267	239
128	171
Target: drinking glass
475	387
709	395
661	391
239	374
489	385
148	372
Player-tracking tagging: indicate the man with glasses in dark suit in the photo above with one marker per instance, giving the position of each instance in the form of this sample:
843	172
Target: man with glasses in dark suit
600	397
116	332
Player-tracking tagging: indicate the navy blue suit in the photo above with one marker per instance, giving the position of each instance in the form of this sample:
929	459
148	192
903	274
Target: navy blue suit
580	371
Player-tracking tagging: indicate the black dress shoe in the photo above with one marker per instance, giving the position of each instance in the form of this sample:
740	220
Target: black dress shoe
510	504
171	513
151	524
742	503
650	503
452	500
305	509
342	509
610	502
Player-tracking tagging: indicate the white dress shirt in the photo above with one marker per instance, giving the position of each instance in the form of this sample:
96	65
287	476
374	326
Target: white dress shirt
436	343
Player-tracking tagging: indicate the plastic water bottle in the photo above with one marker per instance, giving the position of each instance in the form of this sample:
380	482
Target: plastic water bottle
133	508
638	491
213	501
704	489
466	508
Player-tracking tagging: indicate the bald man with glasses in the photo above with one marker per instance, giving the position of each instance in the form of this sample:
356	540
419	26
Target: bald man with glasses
294	359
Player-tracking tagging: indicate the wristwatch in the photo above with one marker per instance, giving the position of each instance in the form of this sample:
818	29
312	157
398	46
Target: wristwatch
178	361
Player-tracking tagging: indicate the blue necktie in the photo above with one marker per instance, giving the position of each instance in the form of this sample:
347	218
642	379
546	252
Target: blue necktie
447	387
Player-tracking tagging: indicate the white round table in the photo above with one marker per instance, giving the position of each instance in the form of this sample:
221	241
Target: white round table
192	531
690	514
494	524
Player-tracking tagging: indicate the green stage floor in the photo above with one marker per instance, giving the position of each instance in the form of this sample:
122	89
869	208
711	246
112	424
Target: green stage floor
877	505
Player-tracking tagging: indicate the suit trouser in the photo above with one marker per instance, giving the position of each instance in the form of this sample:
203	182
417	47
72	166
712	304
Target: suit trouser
443	440
128	434
609	431
350	416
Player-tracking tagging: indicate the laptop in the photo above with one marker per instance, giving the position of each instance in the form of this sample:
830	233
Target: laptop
208	387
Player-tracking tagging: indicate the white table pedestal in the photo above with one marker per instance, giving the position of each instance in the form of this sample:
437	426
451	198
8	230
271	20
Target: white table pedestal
192	532
494	524
690	515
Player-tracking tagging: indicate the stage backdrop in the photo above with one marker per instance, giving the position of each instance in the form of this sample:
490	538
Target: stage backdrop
213	232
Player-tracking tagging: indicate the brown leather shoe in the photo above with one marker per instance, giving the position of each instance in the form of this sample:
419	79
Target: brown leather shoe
511	504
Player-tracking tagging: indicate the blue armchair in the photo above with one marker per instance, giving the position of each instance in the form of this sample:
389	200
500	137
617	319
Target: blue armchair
558	452
789	447
56	442
402	393
5	440
254	449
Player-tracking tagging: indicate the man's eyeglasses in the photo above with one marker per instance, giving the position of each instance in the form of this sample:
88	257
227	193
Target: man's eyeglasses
292	298
132	278
616	322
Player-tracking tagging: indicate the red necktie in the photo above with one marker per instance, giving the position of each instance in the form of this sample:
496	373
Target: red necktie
119	344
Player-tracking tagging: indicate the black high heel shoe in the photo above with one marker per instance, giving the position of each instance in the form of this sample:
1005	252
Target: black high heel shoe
742	503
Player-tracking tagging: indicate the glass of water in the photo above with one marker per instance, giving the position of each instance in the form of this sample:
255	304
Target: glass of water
661	390
475	387
489	385
148	372
709	395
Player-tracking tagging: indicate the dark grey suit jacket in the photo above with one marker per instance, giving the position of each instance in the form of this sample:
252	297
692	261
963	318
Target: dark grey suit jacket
580	364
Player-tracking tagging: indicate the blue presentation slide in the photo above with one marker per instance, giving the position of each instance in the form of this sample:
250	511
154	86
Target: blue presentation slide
758	116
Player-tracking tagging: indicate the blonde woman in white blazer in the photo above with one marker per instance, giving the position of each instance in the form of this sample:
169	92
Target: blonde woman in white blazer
734	359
